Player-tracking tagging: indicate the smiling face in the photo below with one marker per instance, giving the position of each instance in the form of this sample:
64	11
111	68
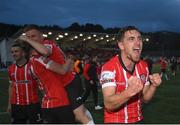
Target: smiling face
131	45
17	53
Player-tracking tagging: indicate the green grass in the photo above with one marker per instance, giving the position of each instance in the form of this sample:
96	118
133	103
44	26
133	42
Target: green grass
4	118
164	107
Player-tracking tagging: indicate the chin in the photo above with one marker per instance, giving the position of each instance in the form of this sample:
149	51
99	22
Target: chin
136	59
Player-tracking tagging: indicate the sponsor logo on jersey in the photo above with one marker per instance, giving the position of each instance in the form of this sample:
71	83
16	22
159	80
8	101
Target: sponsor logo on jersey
107	75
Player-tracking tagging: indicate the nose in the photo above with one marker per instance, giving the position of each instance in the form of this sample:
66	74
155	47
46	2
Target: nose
138	42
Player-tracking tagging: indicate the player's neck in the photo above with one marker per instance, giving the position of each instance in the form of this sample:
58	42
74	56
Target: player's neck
129	64
21	62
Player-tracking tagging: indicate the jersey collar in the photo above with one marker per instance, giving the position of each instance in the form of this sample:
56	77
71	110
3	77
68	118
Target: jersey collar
21	65
124	67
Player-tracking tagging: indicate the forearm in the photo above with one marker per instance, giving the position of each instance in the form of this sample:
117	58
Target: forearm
149	93
59	68
40	48
114	102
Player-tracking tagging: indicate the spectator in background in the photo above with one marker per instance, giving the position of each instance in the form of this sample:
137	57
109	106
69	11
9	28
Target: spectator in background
23	103
78	66
149	62
90	74
178	63
99	68
164	63
173	65
125	80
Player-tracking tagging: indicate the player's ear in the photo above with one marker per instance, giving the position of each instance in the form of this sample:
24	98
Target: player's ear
120	45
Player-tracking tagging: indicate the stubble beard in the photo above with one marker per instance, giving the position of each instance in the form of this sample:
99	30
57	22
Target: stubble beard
135	59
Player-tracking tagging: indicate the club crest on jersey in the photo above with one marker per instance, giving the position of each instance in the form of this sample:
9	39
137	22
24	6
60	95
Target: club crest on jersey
143	78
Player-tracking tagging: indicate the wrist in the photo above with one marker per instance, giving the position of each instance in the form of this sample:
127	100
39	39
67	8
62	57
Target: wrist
153	85
27	40
129	93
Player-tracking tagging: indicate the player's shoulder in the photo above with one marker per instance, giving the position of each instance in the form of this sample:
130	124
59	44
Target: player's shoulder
111	61
11	66
29	63
143	62
110	64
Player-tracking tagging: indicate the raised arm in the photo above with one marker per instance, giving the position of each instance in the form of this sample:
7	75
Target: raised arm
40	48
149	90
56	67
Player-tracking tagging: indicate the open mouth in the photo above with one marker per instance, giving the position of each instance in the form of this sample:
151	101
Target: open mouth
137	50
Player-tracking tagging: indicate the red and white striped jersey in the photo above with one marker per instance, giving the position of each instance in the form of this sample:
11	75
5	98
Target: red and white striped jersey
58	56
114	73
24	87
54	94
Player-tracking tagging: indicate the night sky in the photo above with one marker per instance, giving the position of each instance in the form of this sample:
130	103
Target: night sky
147	15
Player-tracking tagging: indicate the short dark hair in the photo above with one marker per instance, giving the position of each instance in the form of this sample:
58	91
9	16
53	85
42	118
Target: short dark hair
120	34
16	44
30	27
24	46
